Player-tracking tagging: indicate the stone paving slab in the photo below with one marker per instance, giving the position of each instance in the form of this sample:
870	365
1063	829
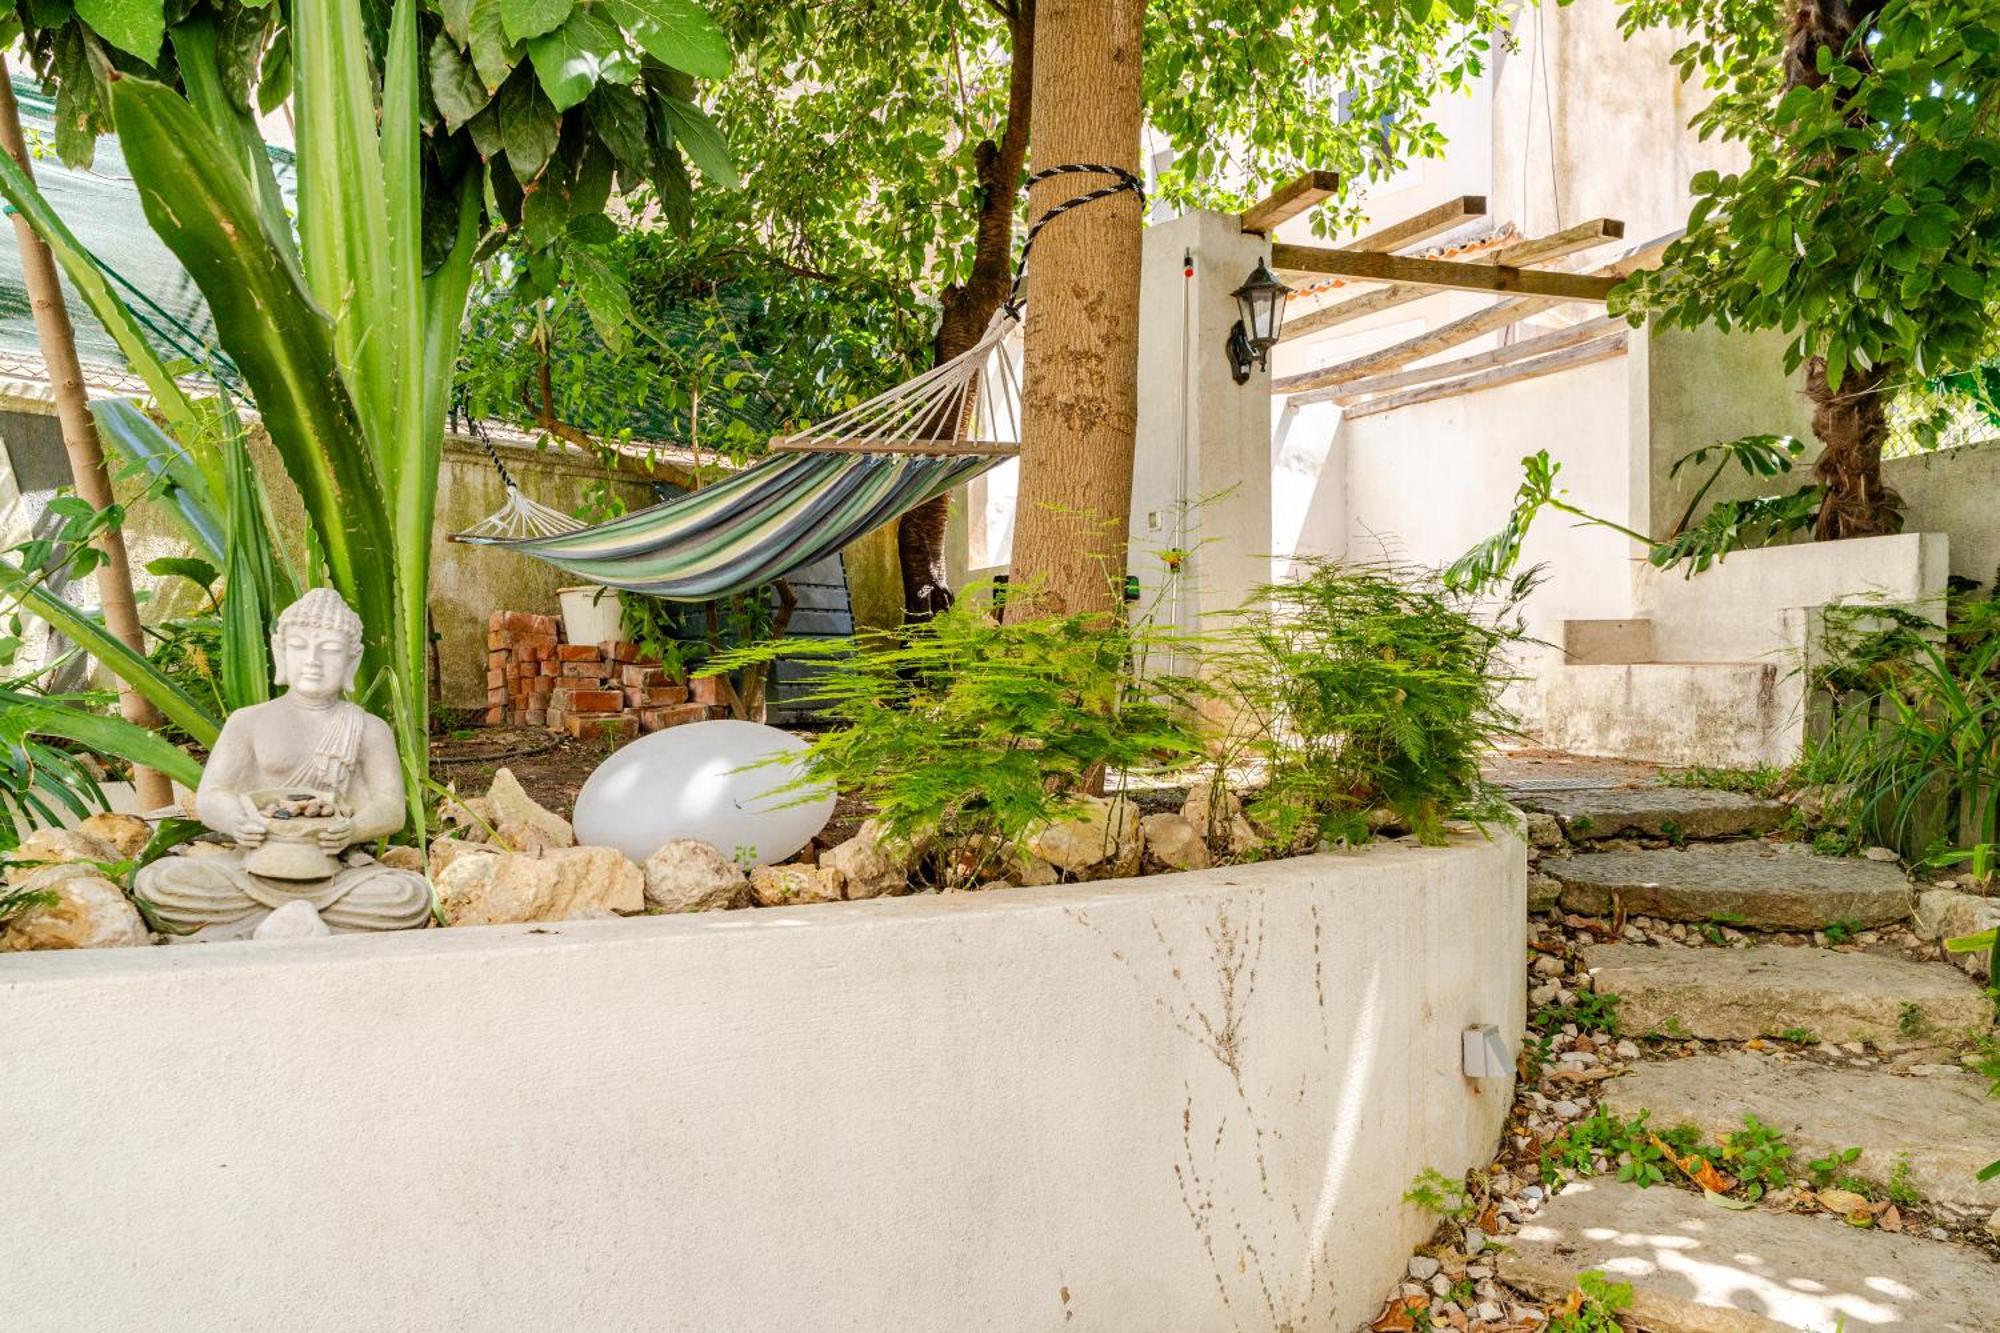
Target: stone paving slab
1772	991
1697	1268
1768	886
1944	1124
1658	812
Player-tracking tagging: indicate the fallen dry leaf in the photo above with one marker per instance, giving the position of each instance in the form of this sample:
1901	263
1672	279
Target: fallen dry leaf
1696	1168
1891	1219
1399	1317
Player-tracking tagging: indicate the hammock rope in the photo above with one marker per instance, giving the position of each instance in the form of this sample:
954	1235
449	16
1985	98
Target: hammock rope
820	488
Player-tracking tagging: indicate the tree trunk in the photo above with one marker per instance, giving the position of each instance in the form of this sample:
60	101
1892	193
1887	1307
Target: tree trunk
968	306
1853	424
80	442
1081	391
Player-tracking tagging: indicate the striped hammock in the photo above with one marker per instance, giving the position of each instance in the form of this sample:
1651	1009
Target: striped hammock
818	491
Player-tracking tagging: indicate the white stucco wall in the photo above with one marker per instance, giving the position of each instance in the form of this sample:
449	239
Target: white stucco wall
1189	1103
1952	491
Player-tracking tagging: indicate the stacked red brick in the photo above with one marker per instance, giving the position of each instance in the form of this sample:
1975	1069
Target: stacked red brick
605	691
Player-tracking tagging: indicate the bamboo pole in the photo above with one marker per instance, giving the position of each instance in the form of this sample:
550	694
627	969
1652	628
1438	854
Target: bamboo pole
80	442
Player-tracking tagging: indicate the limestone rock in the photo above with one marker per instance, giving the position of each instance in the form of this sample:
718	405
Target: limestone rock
519	835
1737	994
1172	842
874	862
484	888
57	846
1217	813
467	818
89	912
688	875
1031	871
1769	886
1544	830
781	886
405	858
1944	1124
1695	1268
1544	891
1096	839
294	921
444	851
1944	914
512	805
1657	812
127	834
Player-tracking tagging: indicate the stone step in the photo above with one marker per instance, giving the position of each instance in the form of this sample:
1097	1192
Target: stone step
1942	1124
1698	1268
1760	885
1775	991
1657	812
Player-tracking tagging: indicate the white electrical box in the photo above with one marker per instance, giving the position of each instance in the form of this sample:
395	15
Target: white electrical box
1486	1053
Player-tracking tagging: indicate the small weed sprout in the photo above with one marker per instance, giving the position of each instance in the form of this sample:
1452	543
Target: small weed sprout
1595	1306
1438	1194
1590	1011
1842	931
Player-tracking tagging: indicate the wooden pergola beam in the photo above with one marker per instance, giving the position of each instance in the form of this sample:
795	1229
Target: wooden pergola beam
1443	273
1447	336
1423	226
1602	349
1289	200
1534	250
1525	350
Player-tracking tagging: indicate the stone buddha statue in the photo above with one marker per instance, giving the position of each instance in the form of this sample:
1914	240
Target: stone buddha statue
296	782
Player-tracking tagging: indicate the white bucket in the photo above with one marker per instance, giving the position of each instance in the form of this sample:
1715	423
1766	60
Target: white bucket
589	612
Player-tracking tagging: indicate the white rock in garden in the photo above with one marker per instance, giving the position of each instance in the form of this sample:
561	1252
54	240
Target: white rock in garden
1881	854
89	912
1097	839
512	805
296	920
1174	843
874	862
1031	871
57	846
784	885
444	851
1218	814
688	875
484	888
1423	1267
128	834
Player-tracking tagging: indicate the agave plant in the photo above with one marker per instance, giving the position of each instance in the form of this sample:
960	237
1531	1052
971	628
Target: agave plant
449	129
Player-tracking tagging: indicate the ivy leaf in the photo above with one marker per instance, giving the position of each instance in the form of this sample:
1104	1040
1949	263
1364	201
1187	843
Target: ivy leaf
604	295
492	54
676	32
133	26
455	84
523	19
583	52
689	127
527	126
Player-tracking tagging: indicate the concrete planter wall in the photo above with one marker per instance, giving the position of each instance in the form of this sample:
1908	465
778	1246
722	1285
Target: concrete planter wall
1187	1102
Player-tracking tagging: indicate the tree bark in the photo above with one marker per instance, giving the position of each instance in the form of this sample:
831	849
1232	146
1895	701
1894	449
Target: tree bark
80	442
968	306
1853	425
1080	407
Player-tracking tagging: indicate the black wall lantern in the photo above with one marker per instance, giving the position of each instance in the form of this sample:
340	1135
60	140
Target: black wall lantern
1262	301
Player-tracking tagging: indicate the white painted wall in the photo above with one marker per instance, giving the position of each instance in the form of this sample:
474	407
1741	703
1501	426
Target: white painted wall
1189	1102
1953	491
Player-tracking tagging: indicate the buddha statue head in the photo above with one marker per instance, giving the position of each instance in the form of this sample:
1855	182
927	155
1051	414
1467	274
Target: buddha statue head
316	646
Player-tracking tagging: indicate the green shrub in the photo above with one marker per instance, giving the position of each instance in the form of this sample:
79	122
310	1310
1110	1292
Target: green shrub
1366	687
970	730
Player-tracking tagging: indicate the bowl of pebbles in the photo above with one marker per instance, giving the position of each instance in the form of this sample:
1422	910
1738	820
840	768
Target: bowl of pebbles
291	848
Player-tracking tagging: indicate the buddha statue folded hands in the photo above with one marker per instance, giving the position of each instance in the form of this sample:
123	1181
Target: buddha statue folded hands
296	782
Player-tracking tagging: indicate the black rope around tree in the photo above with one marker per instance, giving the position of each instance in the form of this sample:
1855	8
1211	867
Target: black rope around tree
1126	181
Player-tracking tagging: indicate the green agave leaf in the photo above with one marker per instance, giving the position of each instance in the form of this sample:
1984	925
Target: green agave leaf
249	606
178	706
134	438
106	735
275	332
675	32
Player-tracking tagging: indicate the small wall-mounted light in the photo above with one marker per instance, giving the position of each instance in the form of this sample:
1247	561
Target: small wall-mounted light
1262	301
1485	1052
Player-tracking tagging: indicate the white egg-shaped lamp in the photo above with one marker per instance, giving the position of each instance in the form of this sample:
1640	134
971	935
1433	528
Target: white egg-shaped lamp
720	782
